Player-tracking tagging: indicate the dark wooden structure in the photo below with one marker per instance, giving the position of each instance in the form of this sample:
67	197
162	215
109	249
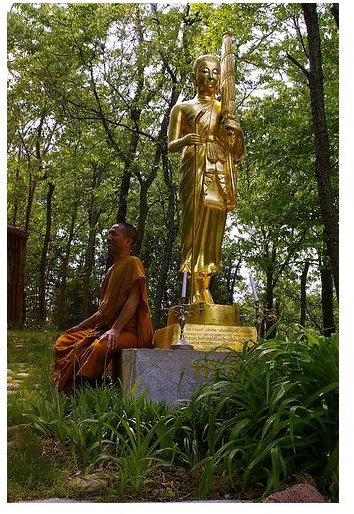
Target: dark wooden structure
16	245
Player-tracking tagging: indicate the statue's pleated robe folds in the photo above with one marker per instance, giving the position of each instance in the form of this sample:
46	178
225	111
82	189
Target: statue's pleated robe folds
81	352
205	194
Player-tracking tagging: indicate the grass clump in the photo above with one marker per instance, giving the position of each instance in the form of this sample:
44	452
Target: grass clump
267	415
35	465
271	415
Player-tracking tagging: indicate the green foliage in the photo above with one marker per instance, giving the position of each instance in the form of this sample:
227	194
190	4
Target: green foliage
272	415
268	414
77	421
90	86
136	442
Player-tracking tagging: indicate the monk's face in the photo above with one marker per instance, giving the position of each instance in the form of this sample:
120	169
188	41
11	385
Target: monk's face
117	240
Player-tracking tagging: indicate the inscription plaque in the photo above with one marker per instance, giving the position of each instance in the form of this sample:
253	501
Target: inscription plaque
206	337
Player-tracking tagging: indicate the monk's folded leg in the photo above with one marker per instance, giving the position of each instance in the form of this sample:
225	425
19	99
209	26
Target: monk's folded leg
94	360
67	351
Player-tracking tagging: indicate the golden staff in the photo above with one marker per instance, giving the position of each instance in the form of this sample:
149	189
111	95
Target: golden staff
228	108
196	121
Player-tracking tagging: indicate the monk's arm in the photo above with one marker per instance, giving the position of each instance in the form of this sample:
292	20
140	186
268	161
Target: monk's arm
87	323
125	315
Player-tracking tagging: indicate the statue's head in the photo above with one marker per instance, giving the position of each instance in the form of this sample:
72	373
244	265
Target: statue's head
206	73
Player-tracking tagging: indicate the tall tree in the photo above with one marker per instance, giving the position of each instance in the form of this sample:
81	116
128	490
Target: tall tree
42	311
91	87
323	167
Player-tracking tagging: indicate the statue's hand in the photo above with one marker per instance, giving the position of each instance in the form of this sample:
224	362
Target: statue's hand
192	139
232	127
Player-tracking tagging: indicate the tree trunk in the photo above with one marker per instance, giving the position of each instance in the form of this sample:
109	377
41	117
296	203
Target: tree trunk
127	174
171	232
234	274
161	153
145	184
89	264
31	189
17	188
270	330
269	318
335	13
327	301
303	281
43	265
322	162
64	272
94	214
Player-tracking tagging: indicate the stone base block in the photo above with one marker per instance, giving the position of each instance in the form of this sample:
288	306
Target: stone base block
169	376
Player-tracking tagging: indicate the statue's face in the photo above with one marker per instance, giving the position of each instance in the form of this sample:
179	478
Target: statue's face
207	76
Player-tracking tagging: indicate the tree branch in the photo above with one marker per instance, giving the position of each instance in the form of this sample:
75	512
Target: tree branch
299	65
335	13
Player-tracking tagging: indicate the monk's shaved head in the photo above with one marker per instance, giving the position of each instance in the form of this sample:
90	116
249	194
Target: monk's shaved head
128	230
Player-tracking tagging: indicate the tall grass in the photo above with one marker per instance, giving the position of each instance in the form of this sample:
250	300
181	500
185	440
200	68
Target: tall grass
103	425
271	415
138	442
268	414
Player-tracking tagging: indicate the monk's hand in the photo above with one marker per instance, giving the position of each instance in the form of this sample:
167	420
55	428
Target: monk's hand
112	337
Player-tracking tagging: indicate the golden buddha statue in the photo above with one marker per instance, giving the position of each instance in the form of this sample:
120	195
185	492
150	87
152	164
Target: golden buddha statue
211	144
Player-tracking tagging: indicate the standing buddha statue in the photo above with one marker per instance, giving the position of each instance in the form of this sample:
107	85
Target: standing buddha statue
211	145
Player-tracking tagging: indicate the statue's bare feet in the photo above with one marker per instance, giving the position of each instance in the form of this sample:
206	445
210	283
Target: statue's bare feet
197	297
206	295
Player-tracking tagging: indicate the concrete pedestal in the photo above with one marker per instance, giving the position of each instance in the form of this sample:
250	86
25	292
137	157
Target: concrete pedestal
166	375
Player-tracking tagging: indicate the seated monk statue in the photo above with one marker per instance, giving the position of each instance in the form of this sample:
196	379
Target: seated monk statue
122	320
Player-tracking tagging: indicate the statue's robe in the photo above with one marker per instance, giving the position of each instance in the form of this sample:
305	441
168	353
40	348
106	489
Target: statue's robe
80	352
206	190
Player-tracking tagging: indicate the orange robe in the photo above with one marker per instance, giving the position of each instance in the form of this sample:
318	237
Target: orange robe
81	352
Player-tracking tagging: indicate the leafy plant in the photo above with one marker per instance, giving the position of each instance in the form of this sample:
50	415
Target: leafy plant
268	413
139	441
273	414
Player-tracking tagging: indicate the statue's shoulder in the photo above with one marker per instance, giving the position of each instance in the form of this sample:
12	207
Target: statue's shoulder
184	106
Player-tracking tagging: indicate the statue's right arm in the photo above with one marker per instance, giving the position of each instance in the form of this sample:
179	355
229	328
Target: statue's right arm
178	136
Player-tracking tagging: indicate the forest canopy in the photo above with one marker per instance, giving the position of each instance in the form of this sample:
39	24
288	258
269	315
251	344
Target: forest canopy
90	90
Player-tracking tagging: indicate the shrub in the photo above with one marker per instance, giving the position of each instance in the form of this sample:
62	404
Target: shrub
268	413
272	414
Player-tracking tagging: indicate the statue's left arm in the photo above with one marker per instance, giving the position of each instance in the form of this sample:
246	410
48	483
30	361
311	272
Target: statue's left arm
235	139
